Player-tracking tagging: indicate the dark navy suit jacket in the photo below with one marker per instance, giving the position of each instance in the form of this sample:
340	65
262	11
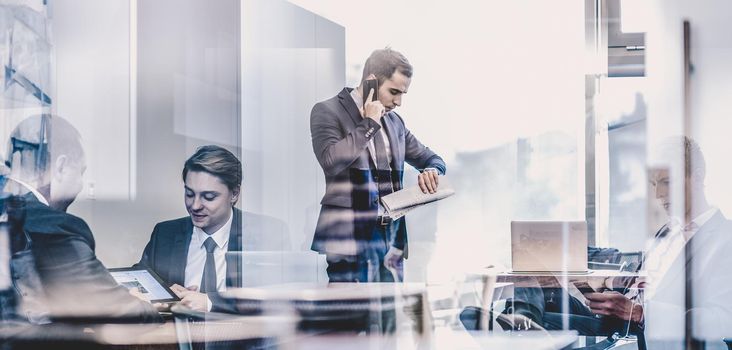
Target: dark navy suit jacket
167	251
76	285
340	138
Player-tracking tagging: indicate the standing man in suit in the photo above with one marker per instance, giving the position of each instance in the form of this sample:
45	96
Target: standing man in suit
55	269
362	150
191	251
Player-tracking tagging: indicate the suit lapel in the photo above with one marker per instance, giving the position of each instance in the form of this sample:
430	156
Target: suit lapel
233	261
698	242
344	97
346	101
695	248
180	253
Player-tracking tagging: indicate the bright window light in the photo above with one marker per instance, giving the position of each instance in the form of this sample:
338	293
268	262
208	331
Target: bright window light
633	16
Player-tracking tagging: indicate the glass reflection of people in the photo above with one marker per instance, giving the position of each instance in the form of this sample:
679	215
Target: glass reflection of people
697	240
60	277
700	227
362	150
190	253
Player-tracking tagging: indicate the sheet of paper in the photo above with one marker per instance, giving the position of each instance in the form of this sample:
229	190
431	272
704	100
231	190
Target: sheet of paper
399	203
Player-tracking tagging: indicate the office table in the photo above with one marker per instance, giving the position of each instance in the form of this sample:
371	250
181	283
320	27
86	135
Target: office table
339	307
442	338
217	328
558	279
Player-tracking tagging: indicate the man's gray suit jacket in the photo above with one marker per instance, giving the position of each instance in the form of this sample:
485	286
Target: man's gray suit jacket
340	138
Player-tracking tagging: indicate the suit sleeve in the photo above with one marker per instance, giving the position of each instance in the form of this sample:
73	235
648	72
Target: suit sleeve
334	151
221	304
400	238
78	286
418	155
712	295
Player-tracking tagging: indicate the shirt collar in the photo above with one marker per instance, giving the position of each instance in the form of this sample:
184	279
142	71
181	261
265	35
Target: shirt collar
221	237
702	218
357	98
691	228
30	188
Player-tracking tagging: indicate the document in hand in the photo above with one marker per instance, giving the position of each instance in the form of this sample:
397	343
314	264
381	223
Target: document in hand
399	203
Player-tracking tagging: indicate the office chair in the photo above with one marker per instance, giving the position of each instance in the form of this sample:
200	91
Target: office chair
471	318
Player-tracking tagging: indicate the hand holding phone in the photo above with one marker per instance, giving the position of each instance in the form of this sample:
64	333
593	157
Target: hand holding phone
368	86
372	107
585	287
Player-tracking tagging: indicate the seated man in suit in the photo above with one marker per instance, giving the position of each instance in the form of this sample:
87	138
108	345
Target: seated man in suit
700	229
56	272
190	253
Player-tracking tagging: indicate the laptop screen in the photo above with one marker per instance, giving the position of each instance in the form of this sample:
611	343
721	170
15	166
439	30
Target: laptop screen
549	246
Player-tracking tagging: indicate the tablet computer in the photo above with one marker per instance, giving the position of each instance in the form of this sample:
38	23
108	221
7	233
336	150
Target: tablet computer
150	285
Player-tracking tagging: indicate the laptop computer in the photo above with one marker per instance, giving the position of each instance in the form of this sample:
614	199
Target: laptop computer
549	246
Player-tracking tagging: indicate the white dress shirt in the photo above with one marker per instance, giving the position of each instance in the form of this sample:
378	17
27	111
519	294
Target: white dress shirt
30	188
197	255
358	100
662	251
661	256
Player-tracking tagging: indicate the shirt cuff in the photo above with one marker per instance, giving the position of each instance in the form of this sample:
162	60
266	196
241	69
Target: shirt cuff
396	251
209	304
432	169
609	283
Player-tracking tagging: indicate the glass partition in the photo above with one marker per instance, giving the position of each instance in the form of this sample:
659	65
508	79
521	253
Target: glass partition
545	114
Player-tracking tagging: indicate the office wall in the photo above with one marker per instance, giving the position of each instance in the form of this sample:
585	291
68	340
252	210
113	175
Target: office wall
91	46
92	88
498	92
183	86
711	52
288	65
710	86
148	82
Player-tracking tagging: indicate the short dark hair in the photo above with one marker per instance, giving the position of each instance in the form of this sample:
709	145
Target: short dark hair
383	63
216	161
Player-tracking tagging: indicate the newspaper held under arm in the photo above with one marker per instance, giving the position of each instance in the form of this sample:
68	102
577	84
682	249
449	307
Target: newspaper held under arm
401	202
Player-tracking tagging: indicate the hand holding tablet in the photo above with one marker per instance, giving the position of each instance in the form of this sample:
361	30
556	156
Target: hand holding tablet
144	284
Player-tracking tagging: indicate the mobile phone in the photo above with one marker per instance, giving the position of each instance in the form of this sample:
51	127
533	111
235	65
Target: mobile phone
368	85
585	288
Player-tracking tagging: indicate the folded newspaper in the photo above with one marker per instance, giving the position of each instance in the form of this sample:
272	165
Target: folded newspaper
401	202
